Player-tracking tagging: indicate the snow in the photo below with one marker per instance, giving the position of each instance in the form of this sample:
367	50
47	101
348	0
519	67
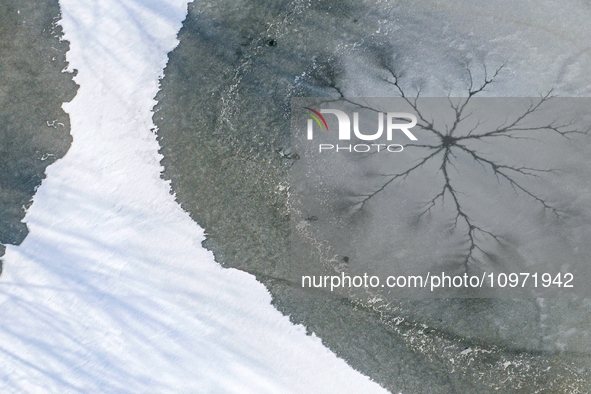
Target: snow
112	291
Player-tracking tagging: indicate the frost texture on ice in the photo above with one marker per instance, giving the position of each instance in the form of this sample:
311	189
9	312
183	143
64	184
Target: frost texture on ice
228	91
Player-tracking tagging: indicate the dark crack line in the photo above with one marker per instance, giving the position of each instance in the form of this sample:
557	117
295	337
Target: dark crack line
448	140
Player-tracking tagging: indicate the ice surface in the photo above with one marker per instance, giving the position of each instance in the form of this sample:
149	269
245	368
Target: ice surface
223	118
413	224
112	291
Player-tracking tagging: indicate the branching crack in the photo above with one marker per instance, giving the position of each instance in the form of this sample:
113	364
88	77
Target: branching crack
451	142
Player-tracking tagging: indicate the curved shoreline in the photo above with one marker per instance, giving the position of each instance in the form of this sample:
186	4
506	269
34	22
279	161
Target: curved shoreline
223	123
35	131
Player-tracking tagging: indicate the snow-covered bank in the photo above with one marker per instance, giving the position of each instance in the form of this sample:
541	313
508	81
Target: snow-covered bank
111	291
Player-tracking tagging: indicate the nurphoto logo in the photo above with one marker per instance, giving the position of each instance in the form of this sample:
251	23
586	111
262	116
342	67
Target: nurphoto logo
344	130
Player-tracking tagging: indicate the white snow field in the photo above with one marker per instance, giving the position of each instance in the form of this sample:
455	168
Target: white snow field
112	292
